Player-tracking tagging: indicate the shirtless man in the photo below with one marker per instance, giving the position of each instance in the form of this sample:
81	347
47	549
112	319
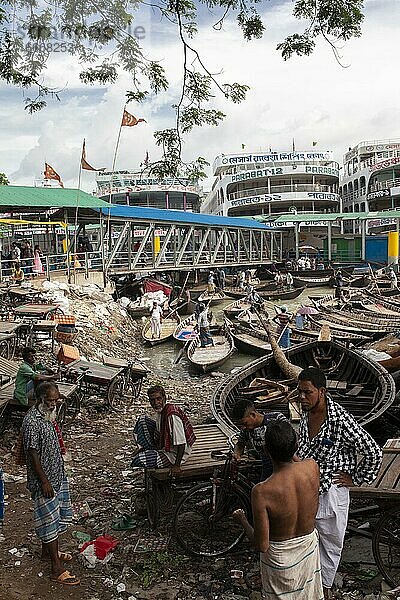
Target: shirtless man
284	508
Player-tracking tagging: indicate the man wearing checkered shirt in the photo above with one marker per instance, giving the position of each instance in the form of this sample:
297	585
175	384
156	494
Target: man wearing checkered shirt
330	435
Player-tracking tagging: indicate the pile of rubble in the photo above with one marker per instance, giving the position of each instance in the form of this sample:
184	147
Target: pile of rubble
103	326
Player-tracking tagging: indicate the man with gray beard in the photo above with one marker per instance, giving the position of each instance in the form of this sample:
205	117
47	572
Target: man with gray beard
46	479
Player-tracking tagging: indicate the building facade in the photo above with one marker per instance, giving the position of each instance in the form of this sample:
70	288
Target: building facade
273	183
135	189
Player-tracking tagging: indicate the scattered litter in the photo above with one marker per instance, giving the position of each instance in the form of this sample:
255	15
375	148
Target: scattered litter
17	563
152	544
40	574
80	510
126	473
121	587
8	478
99	550
81	536
236	574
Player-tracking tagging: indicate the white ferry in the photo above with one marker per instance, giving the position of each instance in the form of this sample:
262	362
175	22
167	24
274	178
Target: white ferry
371	180
135	189
274	183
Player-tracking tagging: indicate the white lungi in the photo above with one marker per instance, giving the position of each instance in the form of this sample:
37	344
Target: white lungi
331	523
155	327
291	570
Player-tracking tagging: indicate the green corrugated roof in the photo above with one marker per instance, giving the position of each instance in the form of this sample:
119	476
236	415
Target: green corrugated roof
36	197
317	217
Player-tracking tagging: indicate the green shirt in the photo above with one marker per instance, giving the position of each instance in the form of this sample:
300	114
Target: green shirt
25	375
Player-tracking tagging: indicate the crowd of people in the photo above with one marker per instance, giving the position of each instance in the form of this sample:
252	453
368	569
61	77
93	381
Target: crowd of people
299	505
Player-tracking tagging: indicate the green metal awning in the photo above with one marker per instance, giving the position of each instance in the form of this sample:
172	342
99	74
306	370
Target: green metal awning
324	217
30	199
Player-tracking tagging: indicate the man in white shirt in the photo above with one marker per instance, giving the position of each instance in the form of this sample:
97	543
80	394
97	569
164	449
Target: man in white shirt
204	327
155	321
165	441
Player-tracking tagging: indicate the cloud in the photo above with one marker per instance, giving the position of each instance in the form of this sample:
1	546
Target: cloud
308	99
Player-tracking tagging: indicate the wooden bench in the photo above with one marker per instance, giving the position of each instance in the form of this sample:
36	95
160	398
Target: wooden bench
387	484
200	465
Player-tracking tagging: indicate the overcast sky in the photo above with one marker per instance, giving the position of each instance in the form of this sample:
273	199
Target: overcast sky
308	99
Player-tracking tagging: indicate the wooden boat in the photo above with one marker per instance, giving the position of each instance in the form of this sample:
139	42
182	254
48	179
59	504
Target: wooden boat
210	358
137	312
233	310
363	318
316	321
344	337
359	384
212	299
183	306
390	364
248	340
362	281
185	330
168	327
313	273
282	295
311	282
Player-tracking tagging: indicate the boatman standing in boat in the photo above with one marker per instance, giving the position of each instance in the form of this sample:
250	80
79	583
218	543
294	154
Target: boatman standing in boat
284	508
203	324
333	438
393	278
282	319
165	441
155	321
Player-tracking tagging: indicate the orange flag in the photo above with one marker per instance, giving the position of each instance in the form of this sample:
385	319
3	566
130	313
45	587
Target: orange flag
129	120
50	173
84	163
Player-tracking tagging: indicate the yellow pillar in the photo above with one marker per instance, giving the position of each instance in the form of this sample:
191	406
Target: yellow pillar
393	247
157	244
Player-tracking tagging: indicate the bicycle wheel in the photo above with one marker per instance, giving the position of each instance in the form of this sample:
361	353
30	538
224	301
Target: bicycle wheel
203	522
386	546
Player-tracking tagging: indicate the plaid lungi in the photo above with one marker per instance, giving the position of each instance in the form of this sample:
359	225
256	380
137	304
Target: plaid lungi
147	436
51	516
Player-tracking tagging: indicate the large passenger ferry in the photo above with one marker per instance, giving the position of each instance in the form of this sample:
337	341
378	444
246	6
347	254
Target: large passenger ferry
273	183
135	189
371	179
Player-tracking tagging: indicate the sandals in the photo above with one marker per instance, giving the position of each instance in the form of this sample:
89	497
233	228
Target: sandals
65	556
124	522
66	579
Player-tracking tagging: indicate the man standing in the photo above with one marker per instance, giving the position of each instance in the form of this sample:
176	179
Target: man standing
29	374
166	441
155	321
393	278
46	479
284	509
203	324
330	435
282	319
253	425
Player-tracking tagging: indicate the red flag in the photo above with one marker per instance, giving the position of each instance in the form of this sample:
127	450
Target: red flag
84	164
50	173
129	120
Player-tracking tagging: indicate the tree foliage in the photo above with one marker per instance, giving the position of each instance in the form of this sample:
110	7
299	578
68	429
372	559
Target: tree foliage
99	35
4	179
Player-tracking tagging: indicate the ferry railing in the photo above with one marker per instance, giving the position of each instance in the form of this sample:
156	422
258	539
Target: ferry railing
276	189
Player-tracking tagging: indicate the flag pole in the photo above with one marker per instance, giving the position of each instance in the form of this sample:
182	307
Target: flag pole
111	182
77	206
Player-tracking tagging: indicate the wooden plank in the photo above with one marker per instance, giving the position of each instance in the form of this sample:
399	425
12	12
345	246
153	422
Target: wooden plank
392	445
386	462
355	391
391	478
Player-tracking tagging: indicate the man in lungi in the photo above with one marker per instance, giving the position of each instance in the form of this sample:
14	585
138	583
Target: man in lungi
165	441
156	315
331	436
284	508
46	479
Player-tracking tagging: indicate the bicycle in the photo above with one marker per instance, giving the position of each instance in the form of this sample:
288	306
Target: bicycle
202	522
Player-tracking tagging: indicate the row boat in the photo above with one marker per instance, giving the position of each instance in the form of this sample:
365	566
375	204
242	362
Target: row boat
212	299
359	384
210	358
